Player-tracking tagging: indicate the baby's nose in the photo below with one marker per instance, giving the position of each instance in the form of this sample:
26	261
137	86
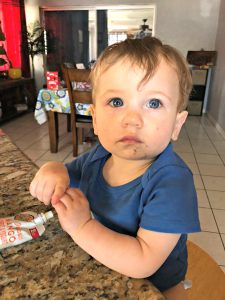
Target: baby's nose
132	118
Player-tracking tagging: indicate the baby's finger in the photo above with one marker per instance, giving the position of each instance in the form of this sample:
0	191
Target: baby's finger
59	207
67	201
58	193
47	194
39	190
32	187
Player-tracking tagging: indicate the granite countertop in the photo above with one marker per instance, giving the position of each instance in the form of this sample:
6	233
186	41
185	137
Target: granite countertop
52	266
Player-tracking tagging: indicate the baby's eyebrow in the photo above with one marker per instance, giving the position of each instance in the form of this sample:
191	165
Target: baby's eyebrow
111	91
152	92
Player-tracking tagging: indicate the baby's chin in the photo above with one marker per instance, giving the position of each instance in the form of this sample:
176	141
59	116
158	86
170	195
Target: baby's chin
134	153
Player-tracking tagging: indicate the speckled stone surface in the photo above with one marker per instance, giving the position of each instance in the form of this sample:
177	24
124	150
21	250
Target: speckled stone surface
52	266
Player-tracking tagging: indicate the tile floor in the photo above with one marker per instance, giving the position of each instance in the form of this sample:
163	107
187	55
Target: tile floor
200	145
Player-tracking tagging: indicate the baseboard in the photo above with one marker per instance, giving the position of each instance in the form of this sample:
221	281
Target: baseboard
218	127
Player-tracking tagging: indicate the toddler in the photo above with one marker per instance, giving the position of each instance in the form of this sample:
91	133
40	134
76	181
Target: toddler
140	192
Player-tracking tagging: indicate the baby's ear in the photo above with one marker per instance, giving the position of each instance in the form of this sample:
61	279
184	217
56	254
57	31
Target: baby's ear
180	120
93	114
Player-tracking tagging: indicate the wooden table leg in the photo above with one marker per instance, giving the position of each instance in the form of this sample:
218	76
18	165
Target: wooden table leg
53	130
68	122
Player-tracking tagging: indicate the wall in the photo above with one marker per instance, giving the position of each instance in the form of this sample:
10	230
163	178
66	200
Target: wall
32	14
188	25
216	103
184	24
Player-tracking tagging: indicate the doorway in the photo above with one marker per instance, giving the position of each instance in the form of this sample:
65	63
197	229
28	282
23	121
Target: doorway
98	27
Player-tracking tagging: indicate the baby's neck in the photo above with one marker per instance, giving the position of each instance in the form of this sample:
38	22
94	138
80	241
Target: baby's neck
118	171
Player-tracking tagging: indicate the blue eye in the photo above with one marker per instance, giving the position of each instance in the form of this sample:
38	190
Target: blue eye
116	102
154	103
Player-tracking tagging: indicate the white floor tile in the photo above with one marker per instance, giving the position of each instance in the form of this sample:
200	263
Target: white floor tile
205	147
183	134
194	168
59	156
212	170
220	219
202	199
223	238
216	199
196	136
214	183
182	145
34	154
208	159
223	158
187	157
220	147
69	158
39	163
211	243
42	144
198	182
207	220
214	135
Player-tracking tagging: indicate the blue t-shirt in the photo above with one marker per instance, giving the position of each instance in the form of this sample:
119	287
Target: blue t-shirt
163	199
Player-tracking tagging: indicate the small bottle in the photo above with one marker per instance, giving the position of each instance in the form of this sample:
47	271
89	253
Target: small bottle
31	219
43	217
21	228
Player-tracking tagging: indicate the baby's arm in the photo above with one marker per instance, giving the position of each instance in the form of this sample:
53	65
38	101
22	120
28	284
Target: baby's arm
136	257
50	182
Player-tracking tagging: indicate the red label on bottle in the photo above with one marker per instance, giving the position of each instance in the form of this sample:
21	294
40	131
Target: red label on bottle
34	233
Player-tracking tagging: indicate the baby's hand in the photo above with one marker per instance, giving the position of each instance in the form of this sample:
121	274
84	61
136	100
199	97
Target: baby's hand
73	211
50	182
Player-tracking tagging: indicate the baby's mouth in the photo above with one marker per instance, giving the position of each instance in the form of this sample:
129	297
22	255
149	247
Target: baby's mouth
130	140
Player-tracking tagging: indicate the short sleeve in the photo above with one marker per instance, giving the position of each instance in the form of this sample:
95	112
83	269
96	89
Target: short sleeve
75	169
170	202
79	166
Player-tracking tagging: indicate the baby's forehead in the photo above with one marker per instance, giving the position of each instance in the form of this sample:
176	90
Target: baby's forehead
144	64
127	64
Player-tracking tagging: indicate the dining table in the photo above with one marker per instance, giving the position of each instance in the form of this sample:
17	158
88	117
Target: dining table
56	101
50	103
52	266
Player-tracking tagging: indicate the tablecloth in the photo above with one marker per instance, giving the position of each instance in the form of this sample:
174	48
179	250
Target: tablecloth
58	101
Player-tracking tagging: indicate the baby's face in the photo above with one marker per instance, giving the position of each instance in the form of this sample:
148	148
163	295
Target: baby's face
137	122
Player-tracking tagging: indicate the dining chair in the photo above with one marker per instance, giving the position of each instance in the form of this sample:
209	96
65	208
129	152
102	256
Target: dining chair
79	122
53	118
208	279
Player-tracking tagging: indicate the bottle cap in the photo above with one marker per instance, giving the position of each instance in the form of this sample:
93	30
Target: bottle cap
49	214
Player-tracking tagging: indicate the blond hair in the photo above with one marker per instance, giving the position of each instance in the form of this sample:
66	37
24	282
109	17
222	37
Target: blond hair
146	54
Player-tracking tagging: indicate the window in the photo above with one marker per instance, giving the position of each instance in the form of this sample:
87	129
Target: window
115	37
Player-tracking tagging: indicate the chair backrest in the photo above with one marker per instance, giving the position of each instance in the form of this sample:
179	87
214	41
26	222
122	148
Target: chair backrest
69	65
208	280
74	79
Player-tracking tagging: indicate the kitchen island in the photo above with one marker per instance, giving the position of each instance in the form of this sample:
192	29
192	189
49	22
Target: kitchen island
52	266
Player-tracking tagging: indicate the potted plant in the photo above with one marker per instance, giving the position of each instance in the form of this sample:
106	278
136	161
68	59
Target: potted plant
35	42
